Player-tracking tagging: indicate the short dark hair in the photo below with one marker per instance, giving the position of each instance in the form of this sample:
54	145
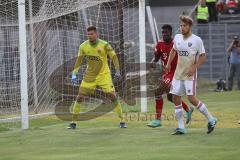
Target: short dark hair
167	26
92	28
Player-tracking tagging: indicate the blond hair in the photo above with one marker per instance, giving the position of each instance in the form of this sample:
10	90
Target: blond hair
186	19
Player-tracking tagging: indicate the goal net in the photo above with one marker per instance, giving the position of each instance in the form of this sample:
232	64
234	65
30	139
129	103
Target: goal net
55	29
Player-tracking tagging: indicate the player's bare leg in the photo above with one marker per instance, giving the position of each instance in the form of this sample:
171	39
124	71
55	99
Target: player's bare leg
118	108
203	109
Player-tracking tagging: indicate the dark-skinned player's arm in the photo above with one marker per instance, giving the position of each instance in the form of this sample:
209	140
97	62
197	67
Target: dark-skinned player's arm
155	59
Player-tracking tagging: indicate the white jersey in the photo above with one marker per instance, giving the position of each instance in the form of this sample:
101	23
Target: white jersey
188	51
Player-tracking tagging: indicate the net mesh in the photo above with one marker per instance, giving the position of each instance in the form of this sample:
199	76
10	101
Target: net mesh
55	29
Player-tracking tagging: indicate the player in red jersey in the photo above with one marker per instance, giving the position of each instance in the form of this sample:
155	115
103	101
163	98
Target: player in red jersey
161	52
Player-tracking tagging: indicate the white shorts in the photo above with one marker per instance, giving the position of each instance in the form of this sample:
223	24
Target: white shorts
181	87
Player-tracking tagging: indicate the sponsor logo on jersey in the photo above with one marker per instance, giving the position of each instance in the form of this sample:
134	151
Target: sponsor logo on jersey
99	50
165	55
183	53
93	58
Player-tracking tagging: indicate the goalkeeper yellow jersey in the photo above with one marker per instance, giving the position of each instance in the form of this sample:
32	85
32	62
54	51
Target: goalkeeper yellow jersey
96	57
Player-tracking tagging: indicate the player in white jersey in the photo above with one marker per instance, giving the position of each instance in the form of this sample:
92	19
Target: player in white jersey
191	55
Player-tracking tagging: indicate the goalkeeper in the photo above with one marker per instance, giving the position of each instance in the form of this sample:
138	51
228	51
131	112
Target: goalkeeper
97	74
162	51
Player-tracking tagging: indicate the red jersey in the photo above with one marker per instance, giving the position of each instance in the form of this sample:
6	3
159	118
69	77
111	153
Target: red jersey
162	51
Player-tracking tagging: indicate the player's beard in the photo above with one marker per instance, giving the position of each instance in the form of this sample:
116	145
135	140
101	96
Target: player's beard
167	39
92	41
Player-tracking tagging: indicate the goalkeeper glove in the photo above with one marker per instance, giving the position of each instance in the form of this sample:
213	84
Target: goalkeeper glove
117	76
74	79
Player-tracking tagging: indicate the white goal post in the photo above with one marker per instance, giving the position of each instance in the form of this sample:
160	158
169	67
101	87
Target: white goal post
23	64
142	44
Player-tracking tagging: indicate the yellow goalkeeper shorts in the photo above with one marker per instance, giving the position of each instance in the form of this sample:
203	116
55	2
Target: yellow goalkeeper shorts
103	82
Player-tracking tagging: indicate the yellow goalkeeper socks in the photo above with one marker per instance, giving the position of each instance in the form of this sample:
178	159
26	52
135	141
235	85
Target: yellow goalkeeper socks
118	110
76	110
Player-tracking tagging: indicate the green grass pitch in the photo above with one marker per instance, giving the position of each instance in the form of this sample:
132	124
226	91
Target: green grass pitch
101	139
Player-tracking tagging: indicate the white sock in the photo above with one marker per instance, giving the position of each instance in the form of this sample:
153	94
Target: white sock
179	115
203	109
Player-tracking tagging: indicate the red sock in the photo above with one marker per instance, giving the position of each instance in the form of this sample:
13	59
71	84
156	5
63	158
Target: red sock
185	106
159	106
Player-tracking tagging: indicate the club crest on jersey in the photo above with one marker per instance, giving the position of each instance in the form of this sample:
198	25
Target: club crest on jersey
189	44
99	50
